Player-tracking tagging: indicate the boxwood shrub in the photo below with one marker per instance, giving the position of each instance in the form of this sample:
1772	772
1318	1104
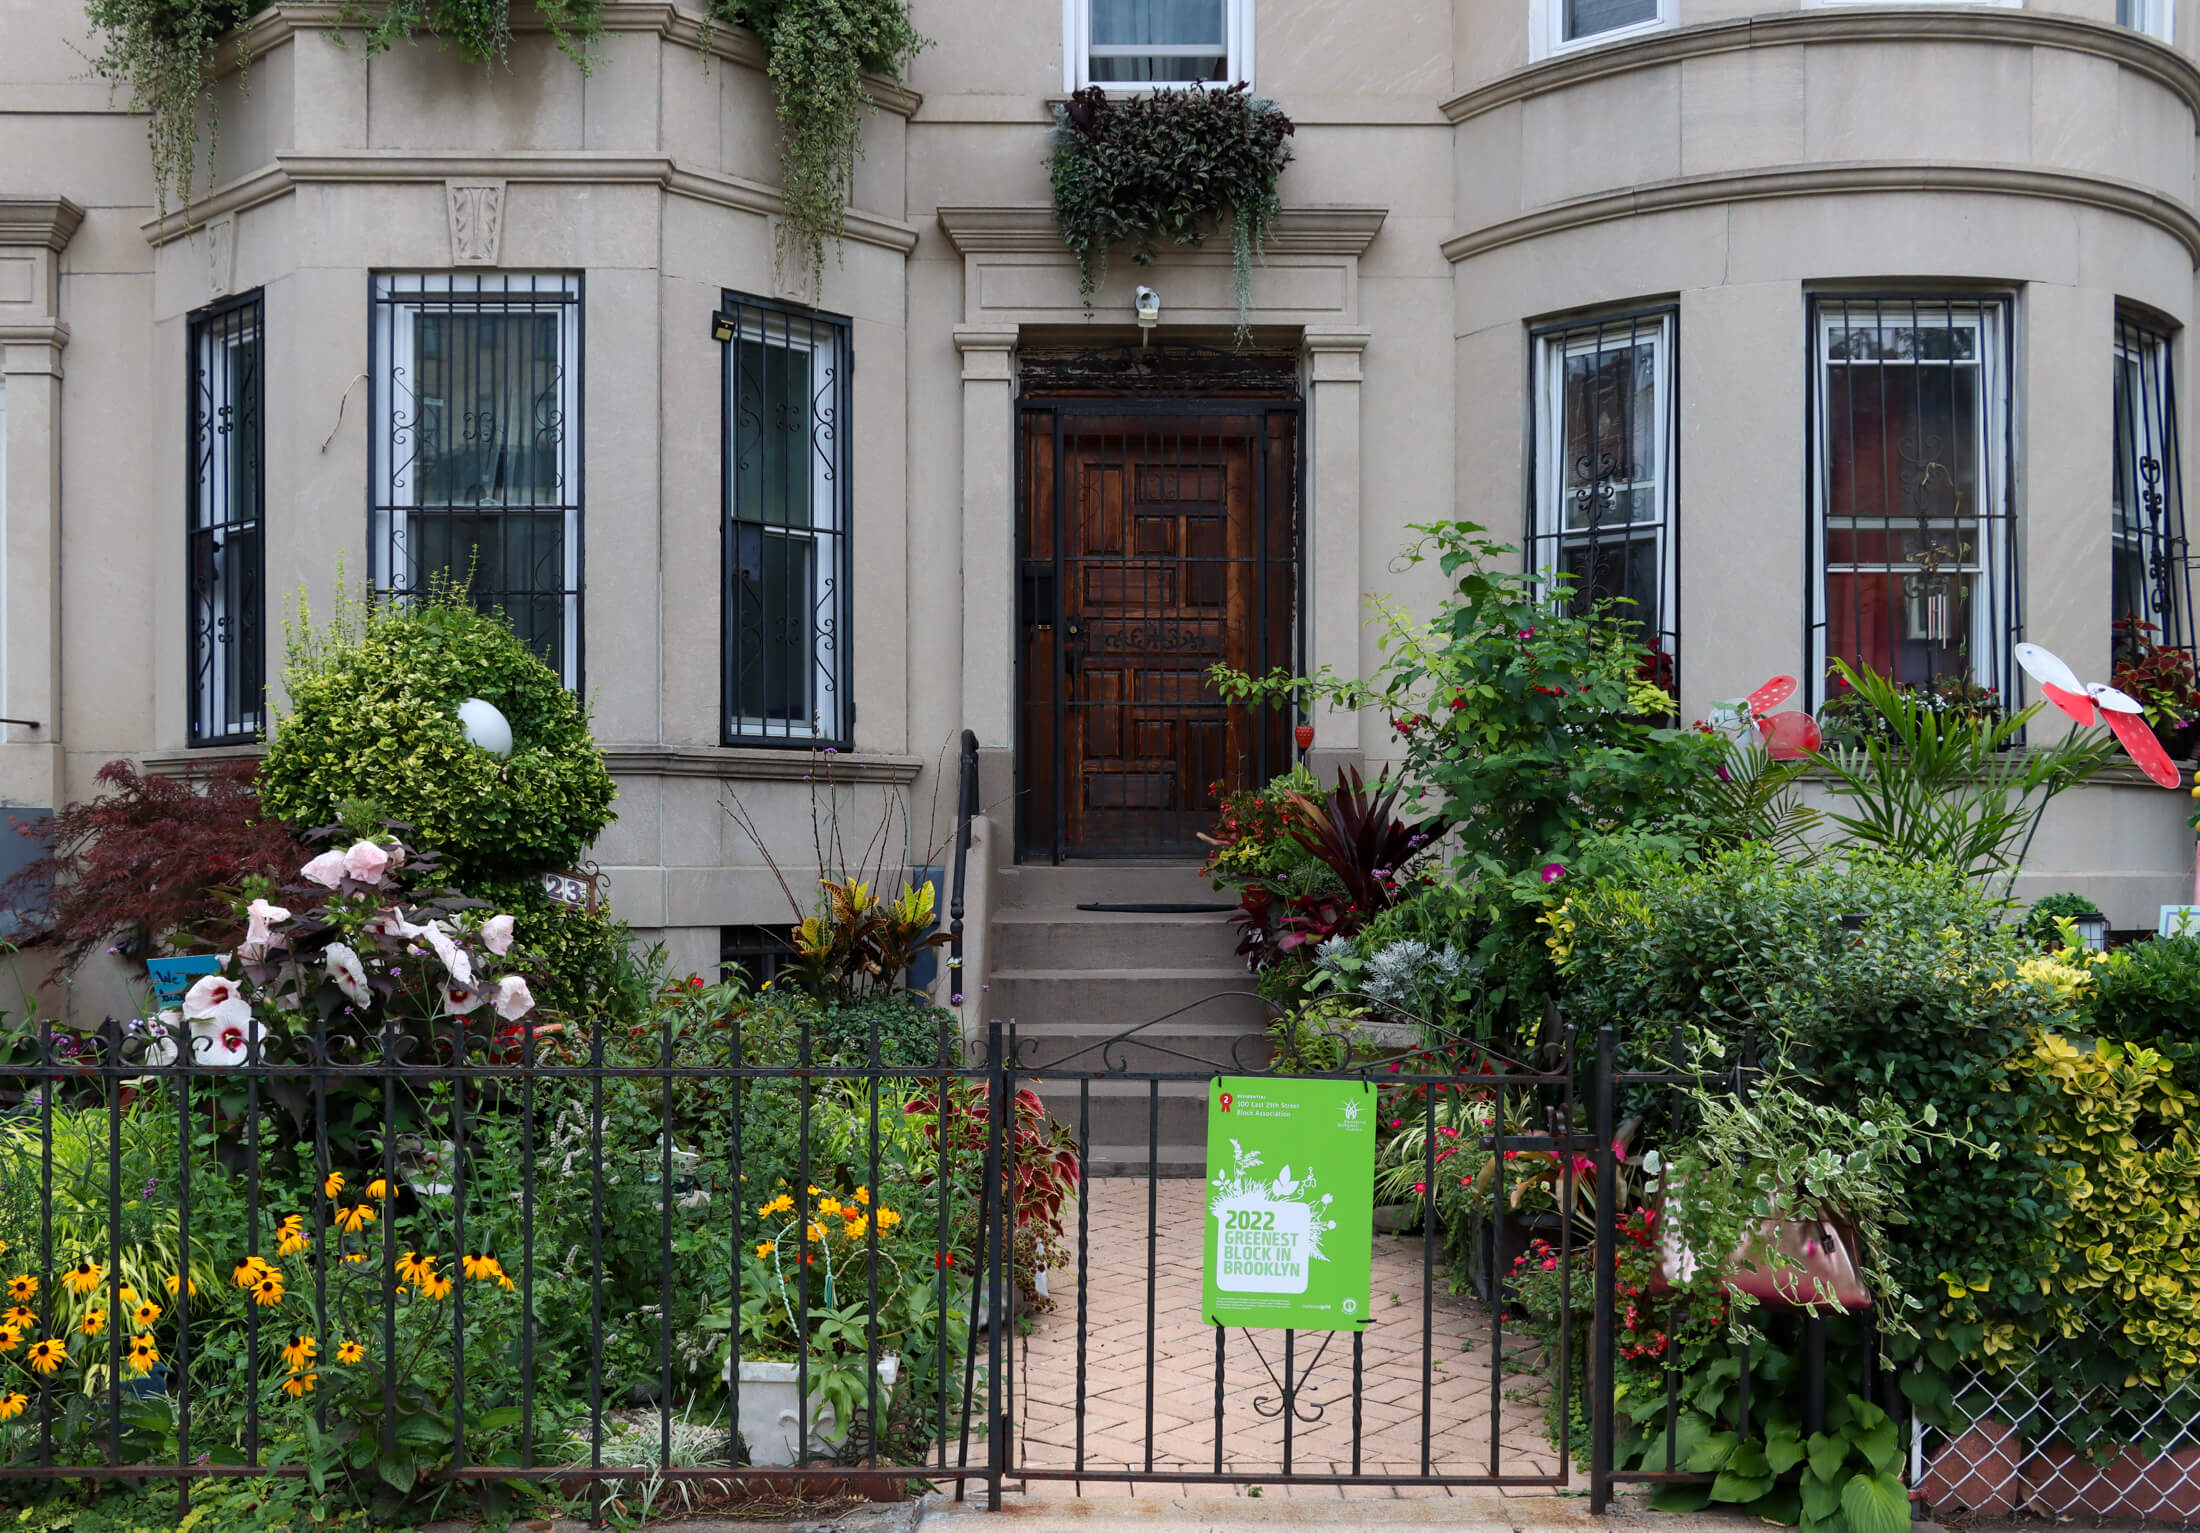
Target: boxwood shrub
373	717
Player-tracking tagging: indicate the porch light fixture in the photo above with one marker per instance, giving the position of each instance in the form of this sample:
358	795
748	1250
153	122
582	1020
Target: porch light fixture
1149	313
721	327
2092	930
486	726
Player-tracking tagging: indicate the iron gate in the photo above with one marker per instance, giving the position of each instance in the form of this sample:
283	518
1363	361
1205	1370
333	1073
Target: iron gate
1136	1387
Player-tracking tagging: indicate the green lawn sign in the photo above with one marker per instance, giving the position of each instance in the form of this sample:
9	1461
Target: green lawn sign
1290	1203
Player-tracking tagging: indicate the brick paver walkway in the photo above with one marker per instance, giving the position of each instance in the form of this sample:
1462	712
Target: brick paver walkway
1181	1377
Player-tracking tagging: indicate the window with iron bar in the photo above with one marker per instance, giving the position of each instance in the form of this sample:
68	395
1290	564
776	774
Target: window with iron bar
2151	581
762	953
226	559
785	549
1606	475
475	440
1912	533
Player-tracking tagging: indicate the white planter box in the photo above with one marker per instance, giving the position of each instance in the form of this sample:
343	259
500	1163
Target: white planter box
770	1423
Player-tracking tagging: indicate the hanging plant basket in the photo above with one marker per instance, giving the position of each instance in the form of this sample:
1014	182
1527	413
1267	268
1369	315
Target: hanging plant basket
1175	165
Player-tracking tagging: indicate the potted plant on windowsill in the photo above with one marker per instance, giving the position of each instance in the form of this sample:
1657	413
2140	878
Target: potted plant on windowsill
2164	682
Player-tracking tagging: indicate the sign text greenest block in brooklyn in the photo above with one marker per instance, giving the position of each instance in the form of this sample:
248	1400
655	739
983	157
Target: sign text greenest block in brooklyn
1290	1195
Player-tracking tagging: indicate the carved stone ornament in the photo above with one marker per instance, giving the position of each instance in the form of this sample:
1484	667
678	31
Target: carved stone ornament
477	221
219	242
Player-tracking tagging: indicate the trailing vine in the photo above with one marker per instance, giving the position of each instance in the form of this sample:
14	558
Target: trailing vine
164	51
1167	164
819	52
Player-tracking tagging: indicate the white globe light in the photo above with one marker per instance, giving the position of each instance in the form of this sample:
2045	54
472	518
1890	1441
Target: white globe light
486	726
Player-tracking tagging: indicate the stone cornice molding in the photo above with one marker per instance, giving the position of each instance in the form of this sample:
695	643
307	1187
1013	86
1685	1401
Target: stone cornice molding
48	222
1907	26
517	167
735	763
735	45
1030	229
1852	179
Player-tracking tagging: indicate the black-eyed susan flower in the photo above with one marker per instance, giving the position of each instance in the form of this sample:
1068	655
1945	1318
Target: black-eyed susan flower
268	1291
299	1353
350	1352
290	1241
356	1258
299	1385
94	1321
10	1338
47	1356
355	1218
21	1318
175	1282
332	1184
482	1268
22	1288
434	1287
145	1316
143	1357
82	1278
378	1188
127	1294
414	1268
248	1272
13	1404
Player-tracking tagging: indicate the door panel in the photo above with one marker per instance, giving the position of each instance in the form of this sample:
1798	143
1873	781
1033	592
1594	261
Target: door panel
1154	544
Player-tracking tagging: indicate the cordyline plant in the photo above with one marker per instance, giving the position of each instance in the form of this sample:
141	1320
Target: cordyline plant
153	863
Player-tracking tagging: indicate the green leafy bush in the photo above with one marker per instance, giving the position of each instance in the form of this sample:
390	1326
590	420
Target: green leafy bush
2039	924
2150	994
373	717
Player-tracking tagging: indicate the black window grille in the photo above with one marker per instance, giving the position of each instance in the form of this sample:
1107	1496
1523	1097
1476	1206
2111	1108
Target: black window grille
762	953
1606	484
1912	528
476	445
786	455
227	557
2151	583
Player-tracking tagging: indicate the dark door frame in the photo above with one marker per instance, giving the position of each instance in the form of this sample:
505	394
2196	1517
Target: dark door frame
1042	830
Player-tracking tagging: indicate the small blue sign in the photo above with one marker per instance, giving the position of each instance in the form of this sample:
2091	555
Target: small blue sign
172	976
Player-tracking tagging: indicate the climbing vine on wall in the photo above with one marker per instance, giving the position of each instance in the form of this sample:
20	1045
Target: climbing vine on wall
1169	164
163	50
819	52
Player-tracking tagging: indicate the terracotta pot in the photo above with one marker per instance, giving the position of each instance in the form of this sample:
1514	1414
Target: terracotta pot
1980	1472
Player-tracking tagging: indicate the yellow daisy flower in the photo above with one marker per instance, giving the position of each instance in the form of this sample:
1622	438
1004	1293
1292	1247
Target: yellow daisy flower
858	1227
887	1218
863	1196
766	1248
143	1357
414	1268
13	1405
83	1278
300	1353
94	1321
435	1287
268	1292
350	1352
46	1356
248	1272
145	1316
22	1287
19	1317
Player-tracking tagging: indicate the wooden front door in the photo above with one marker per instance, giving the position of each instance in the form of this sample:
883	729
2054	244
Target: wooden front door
1157	541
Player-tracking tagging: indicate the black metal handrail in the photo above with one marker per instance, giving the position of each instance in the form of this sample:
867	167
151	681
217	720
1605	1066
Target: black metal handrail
966	807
